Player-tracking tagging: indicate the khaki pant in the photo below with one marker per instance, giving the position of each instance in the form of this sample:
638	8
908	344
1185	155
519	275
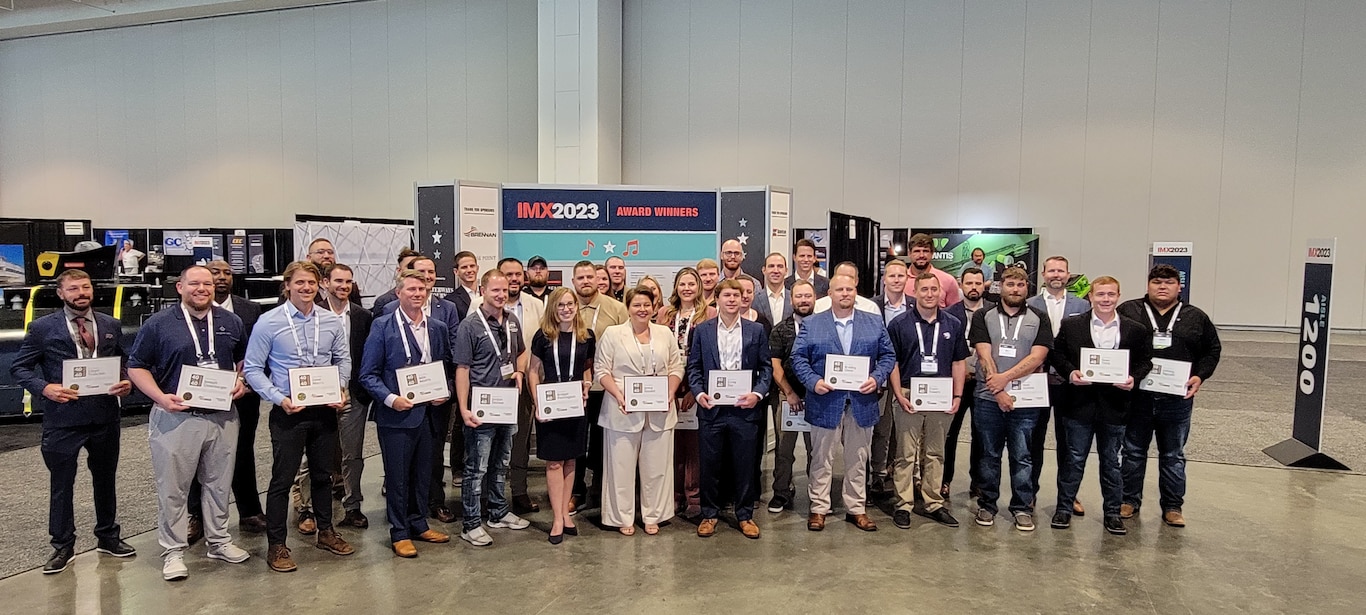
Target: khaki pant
920	439
855	440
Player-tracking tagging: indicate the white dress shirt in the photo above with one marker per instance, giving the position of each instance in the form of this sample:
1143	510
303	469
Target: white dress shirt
1103	334
776	302
730	341
1056	309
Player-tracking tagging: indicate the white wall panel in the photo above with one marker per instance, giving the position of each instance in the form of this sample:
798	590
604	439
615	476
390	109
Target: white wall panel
931	120
714	92
819	104
873	102
765	94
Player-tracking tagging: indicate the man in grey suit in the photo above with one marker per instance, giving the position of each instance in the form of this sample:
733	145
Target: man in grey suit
775	300
1058	304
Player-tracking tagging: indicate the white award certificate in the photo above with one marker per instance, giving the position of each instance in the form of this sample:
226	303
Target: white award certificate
725	387
793	420
687	419
1168	376
646	393
423	383
845	372
1104	366
205	388
1030	391
315	386
931	394
90	376
560	400
496	405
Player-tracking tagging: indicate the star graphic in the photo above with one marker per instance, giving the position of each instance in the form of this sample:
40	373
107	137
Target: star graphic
436	237
436	219
743	239
743	222
436	254
609	247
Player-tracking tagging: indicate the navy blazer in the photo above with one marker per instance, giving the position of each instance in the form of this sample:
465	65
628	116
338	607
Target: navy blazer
817	339
705	355
382	301
448	313
39	363
383	355
461	299
359	333
818	281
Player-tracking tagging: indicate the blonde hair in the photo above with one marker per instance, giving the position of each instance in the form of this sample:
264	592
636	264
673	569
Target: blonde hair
675	303
550	321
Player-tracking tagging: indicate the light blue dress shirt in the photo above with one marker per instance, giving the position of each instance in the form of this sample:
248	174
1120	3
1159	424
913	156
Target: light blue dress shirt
285	338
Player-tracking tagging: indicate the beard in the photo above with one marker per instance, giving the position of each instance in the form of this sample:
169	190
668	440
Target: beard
973	295
1013	302
803	310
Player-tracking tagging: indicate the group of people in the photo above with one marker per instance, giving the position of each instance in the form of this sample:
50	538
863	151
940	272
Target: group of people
676	397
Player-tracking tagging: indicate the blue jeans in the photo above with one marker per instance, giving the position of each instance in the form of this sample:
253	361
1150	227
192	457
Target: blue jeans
1077	435
1001	430
1167	417
488	450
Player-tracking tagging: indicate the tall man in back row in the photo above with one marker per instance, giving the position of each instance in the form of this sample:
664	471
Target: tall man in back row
1059	305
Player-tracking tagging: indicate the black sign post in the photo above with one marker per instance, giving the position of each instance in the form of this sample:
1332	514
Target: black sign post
1302	450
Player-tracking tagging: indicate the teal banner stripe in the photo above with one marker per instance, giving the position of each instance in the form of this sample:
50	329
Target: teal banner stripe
569	246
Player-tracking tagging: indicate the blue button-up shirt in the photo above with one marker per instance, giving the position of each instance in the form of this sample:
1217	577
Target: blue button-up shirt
284	338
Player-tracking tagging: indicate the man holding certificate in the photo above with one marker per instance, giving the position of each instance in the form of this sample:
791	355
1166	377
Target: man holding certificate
1012	342
1102	355
298	359
927	382
71	363
490	360
729	372
1186	351
187	358
841	412
404	366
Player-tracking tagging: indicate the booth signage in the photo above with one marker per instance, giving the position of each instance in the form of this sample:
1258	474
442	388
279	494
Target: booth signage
1178	254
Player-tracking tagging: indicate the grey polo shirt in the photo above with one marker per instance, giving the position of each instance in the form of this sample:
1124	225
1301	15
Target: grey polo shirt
474	349
1026	329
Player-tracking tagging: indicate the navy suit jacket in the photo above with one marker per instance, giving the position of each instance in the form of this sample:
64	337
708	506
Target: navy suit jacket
382	301
461	299
704	355
818	281
39	363
819	338
360	332
384	354
448	313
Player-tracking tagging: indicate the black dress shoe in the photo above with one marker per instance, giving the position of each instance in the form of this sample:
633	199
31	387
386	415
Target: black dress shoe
523	504
1061	521
572	530
1115	526
442	514
254	524
902	519
356	519
556	539
942	517
61	558
116	547
195	530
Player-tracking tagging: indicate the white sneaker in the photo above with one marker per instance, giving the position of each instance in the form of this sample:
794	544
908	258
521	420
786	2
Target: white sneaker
510	521
477	537
228	552
173	565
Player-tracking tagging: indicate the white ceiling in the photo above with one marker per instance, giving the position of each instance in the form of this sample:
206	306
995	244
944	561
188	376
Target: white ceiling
42	17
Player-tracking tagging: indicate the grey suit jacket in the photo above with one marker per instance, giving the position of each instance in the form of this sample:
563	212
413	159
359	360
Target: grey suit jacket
760	304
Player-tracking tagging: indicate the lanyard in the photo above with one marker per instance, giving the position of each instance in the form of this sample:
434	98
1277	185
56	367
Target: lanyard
484	320
1153	319
573	342
80	342
194	335
1014	337
934	341
403	322
317	328
641	350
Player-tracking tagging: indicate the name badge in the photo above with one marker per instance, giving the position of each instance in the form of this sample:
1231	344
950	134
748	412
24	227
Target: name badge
208	363
1162	340
929	366
506	370
1006	351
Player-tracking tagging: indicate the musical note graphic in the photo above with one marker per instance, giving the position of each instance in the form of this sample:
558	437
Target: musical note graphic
632	248
589	248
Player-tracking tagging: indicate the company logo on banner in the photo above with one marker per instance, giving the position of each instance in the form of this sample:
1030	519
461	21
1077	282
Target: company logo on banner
1172	249
478	224
1319	254
537	209
177	243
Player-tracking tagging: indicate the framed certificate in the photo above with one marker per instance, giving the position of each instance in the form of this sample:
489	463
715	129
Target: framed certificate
726	387
931	394
91	376
793	419
315	386
559	400
1104	366
423	383
845	372
1030	391
205	388
1168	376
496	405
646	393
687	419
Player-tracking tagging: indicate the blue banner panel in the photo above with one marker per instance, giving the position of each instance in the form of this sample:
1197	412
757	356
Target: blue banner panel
599	209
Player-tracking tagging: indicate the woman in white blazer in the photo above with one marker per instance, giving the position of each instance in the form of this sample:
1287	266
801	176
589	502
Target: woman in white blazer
634	440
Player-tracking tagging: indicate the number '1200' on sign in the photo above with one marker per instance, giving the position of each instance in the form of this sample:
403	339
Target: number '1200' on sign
558	211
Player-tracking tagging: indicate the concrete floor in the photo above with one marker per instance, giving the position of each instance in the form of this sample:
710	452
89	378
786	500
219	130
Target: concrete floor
1260	540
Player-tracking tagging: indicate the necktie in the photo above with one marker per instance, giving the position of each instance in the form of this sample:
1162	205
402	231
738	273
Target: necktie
87	340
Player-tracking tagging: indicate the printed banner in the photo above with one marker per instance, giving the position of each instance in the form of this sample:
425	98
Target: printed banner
604	209
1313	355
435	224
1179	255
744	217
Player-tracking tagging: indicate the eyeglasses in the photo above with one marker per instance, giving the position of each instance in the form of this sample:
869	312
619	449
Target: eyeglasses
323	251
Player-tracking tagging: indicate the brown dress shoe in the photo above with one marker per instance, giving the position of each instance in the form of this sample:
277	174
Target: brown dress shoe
307	524
442	514
405	548
256	524
433	536
279	560
861	521
330	540
194	531
815	522
1174	518
1127	511
749	528
1078	509
706	528
356	519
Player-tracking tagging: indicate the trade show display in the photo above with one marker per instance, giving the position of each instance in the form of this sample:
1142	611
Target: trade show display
367	245
1178	254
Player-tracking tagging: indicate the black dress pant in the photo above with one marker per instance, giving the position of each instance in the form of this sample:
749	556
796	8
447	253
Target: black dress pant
312	431
244	489
61	448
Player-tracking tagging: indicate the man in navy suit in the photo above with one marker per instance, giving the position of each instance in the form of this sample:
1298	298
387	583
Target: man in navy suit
804	267
405	338
466	275
405	262
72	420
838	416
729	343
